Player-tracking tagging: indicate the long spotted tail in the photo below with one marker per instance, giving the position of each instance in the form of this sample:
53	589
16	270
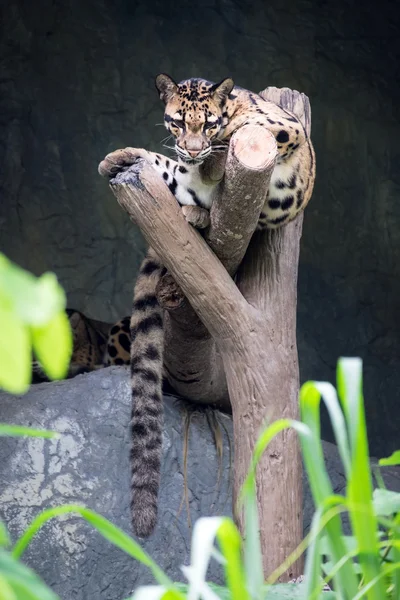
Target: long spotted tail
147	409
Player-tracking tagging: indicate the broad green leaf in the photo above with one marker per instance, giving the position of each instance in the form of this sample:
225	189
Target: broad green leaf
392	460
50	301
15	353
52	344
17	430
25	584
386	502
34	299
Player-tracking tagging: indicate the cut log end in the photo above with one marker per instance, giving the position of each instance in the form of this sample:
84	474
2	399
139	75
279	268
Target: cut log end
254	147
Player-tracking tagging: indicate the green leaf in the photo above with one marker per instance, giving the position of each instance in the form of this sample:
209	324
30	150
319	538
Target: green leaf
386	502
25	584
395	535
149	592
252	547
230	541
345	579
313	563
392	460
15	353
201	551
49	301
282	591
34	299
17	430
359	484
4	537
52	344
262	443
377	583
155	592
6	591
109	531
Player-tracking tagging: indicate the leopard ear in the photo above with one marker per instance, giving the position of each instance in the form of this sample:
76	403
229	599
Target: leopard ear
220	91
166	87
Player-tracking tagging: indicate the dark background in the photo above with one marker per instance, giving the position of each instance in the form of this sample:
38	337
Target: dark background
76	81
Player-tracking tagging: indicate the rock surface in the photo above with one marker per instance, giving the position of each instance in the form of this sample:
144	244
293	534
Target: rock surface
76	81
88	465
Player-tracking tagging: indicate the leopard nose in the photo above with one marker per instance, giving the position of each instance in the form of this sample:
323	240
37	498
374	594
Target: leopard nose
193	153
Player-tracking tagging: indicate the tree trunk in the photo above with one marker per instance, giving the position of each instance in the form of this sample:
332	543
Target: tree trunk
234	344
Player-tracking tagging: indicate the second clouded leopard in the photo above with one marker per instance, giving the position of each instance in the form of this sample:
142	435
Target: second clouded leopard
201	116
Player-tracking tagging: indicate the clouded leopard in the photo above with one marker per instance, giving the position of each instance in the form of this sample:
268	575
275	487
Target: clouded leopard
201	116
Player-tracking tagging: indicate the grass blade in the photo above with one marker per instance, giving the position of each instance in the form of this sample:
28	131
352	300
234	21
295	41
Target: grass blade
204	533
230	542
6	591
112	533
391	461
359	484
24	582
17	430
149	592
312	571
252	547
395	536
376	582
345	580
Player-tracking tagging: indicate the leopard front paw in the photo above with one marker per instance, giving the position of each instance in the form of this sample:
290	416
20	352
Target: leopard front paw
196	216
120	160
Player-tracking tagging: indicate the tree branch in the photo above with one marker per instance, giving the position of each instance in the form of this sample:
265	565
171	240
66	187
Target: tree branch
192	363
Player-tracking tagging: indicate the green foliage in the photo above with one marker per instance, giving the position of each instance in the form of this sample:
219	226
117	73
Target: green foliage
365	564
32	317
391	460
17	430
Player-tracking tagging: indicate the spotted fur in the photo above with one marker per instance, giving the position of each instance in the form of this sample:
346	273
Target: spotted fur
201	117
89	339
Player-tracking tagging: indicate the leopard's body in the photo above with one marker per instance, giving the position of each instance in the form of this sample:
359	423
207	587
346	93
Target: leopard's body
95	344
201	117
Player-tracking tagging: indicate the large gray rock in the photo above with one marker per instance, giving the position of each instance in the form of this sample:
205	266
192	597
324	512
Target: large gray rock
77	82
89	465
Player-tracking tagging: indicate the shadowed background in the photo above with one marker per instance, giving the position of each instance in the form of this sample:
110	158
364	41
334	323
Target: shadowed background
76	81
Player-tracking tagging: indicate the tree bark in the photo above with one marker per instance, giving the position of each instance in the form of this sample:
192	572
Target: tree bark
192	362
243	339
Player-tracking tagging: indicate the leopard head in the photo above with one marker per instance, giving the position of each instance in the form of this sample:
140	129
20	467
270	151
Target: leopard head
193	114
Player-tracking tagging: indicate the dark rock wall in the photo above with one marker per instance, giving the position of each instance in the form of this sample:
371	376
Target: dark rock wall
76	81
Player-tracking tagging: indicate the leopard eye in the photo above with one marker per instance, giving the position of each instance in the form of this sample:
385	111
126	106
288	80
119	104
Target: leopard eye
177	123
209	125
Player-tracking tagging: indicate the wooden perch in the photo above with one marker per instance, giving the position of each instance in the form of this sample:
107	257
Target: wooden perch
192	361
237	338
